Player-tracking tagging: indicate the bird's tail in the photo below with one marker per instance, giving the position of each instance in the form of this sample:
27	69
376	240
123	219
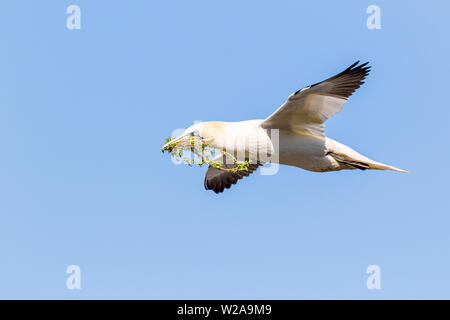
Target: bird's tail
362	163
382	166
350	159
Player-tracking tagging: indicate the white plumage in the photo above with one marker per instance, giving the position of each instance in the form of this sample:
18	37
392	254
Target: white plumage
293	135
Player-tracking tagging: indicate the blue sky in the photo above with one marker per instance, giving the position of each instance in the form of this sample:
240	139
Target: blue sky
83	115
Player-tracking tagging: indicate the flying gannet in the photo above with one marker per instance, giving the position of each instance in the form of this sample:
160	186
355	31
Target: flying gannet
299	138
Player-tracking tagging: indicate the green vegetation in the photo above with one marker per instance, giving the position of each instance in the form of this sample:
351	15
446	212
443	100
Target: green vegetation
201	153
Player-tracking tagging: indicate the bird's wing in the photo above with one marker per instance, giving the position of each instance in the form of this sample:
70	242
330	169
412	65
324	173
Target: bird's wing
217	179
308	108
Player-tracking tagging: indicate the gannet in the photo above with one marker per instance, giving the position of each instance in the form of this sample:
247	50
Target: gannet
298	126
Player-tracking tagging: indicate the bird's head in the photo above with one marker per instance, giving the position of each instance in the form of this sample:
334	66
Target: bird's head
202	131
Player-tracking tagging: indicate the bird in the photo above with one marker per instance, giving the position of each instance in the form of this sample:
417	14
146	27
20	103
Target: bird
294	135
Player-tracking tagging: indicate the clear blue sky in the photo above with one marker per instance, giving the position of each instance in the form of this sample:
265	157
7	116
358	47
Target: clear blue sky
83	115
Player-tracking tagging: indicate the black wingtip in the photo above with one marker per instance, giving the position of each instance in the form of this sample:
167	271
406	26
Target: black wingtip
362	69
364	64
353	65
346	82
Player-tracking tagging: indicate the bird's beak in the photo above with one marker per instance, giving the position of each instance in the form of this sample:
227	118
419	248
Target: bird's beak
175	142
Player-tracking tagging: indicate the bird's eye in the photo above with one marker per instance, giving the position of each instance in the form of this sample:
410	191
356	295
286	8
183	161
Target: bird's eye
195	133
